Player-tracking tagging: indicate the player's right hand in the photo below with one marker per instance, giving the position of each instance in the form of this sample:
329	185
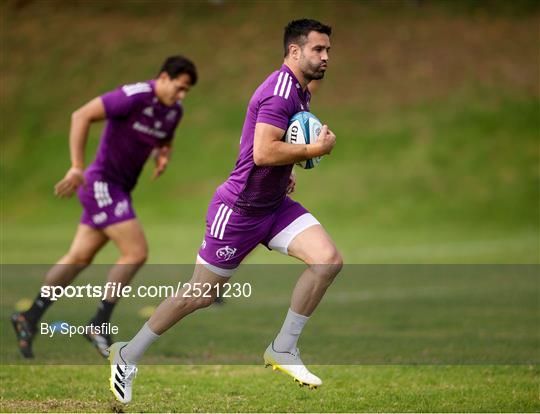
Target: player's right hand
67	186
326	140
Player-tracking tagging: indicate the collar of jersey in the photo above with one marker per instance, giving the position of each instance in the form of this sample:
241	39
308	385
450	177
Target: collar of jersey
297	86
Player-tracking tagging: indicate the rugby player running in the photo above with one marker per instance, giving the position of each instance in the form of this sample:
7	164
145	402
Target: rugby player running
252	207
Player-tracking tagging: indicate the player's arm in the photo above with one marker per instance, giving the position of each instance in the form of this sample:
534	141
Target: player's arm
270	150
81	120
162	156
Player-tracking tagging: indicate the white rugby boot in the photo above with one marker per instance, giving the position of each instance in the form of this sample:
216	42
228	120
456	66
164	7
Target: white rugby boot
291	364
122	373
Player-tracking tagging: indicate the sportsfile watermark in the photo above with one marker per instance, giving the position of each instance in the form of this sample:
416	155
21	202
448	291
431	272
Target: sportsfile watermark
117	290
370	314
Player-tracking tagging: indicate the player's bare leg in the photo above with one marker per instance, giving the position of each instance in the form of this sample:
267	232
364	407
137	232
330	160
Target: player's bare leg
173	309
125	355
86	243
315	248
129	238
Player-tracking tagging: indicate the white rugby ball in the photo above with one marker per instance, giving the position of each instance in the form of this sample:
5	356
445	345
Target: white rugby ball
304	128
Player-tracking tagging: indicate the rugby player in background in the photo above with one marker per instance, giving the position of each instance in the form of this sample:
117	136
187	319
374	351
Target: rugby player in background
141	119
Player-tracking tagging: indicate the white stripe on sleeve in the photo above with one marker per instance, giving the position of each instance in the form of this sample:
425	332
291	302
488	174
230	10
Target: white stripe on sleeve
283	84
278	82
288	89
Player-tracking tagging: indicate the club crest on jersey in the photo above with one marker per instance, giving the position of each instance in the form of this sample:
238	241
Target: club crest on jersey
148	111
171	115
226	253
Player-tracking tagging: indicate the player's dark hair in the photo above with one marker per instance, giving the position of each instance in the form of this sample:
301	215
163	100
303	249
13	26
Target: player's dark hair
297	32
175	66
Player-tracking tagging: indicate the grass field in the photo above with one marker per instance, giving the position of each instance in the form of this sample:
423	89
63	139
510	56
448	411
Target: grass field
246	388
391	338
436	112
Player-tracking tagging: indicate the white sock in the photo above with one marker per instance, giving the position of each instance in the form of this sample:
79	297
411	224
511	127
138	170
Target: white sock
290	332
134	350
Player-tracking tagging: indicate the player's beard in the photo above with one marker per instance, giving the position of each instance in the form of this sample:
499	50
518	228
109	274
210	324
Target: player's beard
313	71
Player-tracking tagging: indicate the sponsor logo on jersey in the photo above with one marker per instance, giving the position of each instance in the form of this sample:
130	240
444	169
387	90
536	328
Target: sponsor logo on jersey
99	218
122	207
150	131
226	253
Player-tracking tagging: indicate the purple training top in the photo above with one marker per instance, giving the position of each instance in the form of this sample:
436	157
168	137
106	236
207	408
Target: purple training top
253	190
136	123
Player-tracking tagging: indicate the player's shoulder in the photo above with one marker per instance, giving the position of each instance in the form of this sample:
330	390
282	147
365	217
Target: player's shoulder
279	84
137	90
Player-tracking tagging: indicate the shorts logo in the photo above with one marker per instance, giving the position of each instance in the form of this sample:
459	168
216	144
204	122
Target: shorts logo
121	208
226	253
101	194
203	244
99	218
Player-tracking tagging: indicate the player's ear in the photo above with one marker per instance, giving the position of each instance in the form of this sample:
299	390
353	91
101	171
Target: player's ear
164	76
294	51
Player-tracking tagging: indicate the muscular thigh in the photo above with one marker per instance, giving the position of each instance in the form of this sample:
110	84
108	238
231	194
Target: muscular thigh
128	236
314	246
86	243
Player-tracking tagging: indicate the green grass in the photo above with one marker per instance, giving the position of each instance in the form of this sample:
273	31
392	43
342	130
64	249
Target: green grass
372	315
254	389
377	332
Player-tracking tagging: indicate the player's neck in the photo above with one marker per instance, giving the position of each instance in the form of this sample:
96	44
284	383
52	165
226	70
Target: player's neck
298	75
158	92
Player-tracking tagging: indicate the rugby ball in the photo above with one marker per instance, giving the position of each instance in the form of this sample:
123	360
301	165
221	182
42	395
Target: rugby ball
304	128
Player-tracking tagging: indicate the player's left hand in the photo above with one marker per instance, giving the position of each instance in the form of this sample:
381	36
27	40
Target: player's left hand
161	158
292	183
